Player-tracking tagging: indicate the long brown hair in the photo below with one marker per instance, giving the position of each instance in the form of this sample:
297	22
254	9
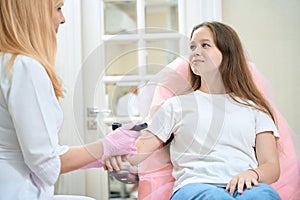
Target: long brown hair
26	28
234	69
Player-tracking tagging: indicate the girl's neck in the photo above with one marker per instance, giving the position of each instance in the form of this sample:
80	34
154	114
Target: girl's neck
213	90
213	86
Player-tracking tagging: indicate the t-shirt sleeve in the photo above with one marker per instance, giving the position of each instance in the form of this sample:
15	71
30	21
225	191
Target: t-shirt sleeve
265	123
165	121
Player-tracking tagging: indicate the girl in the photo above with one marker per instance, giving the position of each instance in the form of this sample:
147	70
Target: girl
224	144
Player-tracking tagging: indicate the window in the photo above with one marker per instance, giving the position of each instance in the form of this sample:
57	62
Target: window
140	38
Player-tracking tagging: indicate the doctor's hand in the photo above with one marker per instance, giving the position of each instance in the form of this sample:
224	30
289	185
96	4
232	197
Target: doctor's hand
120	142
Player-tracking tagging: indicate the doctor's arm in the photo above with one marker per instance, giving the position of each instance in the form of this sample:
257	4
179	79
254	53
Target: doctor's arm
82	155
119	142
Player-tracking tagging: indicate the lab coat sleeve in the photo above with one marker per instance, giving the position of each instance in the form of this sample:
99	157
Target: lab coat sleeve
37	118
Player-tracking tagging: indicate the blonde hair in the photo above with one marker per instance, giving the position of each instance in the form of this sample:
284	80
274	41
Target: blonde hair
26	28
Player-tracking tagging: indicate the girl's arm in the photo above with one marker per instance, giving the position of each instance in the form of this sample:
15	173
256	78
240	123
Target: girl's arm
268	169
267	157
146	144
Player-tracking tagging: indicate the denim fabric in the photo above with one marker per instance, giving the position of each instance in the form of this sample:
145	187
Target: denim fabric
197	191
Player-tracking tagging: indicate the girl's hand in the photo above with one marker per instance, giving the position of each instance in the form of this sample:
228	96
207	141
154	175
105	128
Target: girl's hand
241	180
113	163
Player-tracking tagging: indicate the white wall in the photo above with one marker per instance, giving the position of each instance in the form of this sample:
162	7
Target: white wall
270	31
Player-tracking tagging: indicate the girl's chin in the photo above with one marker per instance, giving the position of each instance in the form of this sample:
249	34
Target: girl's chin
196	71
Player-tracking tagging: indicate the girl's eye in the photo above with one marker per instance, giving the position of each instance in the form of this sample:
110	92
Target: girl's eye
192	47
205	45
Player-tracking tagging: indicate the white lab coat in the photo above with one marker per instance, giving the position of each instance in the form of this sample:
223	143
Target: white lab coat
30	120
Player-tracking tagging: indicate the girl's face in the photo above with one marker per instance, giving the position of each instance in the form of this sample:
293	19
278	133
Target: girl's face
58	16
205	57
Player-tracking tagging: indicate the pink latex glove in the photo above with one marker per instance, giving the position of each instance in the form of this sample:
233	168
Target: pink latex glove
96	164
120	142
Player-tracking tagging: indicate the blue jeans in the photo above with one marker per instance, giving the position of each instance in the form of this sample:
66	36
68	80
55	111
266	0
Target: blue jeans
197	191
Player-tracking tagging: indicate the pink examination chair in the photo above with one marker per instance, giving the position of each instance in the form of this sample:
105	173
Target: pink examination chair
155	173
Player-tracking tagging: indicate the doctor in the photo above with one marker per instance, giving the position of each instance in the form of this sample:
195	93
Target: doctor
30	157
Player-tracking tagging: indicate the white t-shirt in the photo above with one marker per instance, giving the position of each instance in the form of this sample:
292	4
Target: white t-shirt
30	121
214	136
